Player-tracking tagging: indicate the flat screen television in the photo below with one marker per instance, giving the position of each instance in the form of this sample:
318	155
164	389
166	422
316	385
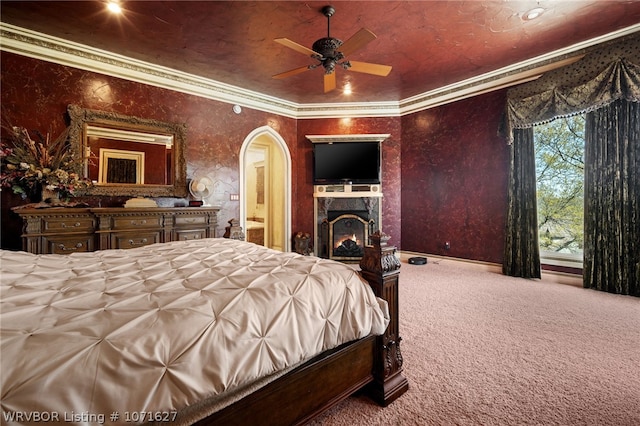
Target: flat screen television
346	163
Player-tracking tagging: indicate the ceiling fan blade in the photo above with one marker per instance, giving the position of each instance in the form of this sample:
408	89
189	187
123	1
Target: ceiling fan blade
291	72
367	68
297	47
356	41
329	82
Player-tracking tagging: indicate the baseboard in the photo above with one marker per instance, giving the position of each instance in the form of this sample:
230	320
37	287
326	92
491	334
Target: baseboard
434	258
547	276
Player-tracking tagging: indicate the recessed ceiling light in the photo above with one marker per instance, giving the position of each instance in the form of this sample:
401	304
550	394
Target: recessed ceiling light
533	13
114	7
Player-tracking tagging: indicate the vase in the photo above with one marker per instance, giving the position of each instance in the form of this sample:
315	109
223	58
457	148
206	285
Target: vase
49	196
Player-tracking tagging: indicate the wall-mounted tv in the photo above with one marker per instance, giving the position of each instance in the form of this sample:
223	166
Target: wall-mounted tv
346	163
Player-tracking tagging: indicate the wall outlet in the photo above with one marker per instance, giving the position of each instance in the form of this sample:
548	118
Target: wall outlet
234	197
447	245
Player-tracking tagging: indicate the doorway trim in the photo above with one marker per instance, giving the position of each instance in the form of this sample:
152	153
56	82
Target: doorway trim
284	149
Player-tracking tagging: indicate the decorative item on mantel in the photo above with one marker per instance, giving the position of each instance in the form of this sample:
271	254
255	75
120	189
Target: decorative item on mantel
43	166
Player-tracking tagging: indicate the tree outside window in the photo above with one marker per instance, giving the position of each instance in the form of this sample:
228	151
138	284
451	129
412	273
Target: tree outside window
559	149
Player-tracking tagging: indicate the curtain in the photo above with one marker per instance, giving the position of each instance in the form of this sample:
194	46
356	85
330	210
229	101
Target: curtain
618	80
612	199
522	253
607	75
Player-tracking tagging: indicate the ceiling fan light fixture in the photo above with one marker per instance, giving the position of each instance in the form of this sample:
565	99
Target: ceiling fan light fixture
532	14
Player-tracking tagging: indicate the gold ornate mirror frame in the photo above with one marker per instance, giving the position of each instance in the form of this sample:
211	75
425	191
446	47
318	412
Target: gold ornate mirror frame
83	119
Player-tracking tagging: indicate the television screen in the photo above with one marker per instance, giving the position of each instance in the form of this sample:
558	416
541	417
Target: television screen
346	163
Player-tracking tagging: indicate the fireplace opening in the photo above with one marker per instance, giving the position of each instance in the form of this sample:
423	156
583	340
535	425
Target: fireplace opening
348	234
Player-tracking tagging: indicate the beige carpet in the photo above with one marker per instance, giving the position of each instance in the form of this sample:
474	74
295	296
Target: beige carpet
484	349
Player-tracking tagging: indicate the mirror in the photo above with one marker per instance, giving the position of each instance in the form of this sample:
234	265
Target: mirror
129	156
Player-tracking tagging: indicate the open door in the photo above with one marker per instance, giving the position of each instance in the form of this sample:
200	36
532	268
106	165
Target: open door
265	201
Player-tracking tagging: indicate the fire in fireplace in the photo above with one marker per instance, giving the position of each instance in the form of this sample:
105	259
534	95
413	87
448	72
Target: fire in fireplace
349	246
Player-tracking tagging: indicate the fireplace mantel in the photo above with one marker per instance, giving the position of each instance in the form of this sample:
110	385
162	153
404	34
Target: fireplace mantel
348	138
347	191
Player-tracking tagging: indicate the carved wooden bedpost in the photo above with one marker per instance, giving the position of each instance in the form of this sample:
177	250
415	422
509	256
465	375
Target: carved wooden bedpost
381	269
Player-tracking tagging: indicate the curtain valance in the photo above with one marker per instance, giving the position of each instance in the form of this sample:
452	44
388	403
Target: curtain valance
597	80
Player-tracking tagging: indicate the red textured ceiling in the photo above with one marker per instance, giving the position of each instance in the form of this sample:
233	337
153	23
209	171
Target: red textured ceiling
430	44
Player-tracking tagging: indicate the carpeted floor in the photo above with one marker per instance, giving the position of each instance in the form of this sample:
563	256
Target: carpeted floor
481	348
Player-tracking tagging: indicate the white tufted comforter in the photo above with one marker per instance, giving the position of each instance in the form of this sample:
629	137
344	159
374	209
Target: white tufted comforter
161	327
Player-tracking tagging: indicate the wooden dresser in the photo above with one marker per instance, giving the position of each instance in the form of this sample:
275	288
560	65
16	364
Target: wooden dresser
66	230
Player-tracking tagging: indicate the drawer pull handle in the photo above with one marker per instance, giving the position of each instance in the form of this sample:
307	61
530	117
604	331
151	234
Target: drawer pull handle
64	248
138	222
141	242
75	225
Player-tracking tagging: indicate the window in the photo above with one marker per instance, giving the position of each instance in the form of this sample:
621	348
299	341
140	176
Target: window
559	147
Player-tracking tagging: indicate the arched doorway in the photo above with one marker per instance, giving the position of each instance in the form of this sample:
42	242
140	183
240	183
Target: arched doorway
265	185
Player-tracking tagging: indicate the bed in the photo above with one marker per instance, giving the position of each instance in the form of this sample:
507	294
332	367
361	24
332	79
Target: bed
212	331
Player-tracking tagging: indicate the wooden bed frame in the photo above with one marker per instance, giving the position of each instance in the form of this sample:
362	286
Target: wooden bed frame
373	364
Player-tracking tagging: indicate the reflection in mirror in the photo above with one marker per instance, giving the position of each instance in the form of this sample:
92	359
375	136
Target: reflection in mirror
117	166
128	155
141	158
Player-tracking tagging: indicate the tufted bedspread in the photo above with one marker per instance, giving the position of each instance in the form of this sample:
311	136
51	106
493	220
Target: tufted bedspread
163	327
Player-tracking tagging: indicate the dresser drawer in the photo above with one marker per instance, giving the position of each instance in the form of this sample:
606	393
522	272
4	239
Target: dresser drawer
185	221
133	222
191	235
71	244
68	224
130	240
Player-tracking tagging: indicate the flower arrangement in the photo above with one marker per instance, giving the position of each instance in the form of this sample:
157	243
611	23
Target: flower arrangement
30	165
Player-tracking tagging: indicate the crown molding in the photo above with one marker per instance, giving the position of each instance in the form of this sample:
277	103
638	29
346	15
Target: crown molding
63	52
53	49
511	75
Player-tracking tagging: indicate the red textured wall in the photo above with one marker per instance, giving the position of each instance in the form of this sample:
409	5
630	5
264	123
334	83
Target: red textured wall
391	206
444	169
454	179
35	95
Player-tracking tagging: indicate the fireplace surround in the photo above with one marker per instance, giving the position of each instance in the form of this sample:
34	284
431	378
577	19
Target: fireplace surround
344	225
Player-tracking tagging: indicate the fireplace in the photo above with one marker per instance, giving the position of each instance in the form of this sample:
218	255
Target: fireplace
344	226
348	234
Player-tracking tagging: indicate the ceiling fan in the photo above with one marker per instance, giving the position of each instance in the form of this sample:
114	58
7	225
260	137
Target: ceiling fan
331	52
